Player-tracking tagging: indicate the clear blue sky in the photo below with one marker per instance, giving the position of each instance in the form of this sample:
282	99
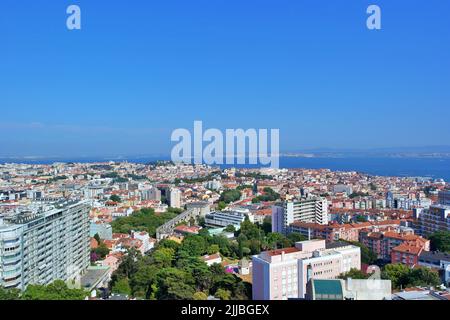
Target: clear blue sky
139	69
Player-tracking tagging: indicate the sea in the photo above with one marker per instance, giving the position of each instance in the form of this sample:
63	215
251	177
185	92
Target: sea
435	168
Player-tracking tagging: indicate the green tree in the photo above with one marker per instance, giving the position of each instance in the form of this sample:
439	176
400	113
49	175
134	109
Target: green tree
200	296
102	250
97	238
296	237
230	228
267	224
353	274
175	284
223	294
9	294
165	243
402	276
440	241
274	240
163	257
122	286
230	196
142	281
214	248
57	290
424	277
221	205
269	195
397	273
195	245
115	198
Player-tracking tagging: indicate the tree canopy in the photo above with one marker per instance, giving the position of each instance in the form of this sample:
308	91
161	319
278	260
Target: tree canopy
402	276
144	220
440	241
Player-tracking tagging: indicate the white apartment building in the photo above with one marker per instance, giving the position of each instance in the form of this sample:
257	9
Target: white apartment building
175	198
284	273
229	217
313	210
38	248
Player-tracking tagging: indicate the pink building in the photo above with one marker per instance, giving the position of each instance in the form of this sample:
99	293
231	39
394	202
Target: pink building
112	261
282	274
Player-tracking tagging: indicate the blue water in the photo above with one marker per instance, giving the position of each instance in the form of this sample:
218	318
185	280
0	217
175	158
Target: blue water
403	167
437	168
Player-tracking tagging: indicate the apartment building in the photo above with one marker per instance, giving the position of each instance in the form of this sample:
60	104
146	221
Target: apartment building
229	217
444	197
436	218
342	231
383	242
151	193
406	254
307	209
175	198
330	232
43	246
284	273
437	260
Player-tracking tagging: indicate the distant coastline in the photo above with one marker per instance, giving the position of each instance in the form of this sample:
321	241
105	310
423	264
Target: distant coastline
428	167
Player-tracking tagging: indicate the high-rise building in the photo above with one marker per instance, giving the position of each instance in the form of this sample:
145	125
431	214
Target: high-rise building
175	198
151	194
444	197
436	218
310	209
283	274
40	247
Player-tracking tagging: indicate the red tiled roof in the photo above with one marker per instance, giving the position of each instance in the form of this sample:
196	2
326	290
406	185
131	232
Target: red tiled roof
405	248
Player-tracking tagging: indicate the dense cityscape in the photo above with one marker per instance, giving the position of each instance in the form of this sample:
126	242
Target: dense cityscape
165	231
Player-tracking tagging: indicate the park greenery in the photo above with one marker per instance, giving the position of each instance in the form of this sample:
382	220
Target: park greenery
57	290
403	276
115	198
221	205
174	272
440	241
269	195
358	194
354	274
254	175
144	220
230	196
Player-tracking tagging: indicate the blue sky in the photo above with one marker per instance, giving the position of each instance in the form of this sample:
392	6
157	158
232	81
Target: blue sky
139	69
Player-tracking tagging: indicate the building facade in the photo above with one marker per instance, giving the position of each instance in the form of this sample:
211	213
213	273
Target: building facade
310	209
434	219
283	274
38	248
226	218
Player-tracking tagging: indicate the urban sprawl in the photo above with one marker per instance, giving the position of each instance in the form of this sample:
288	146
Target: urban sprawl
165	231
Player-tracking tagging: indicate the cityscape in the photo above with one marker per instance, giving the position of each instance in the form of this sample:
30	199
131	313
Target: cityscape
212	159
165	231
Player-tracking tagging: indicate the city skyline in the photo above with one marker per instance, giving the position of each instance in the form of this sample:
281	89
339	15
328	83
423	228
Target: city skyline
133	74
